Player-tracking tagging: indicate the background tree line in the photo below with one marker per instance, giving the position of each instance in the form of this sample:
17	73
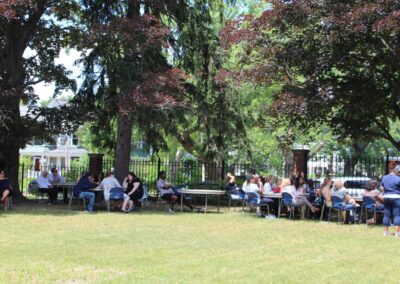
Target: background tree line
221	80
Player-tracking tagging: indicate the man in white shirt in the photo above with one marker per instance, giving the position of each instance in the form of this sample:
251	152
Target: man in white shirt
110	182
166	191
44	184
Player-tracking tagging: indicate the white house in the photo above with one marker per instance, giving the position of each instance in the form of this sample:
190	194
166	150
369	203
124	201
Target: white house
59	154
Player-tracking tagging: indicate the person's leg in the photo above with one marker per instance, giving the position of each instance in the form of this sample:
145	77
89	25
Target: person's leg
174	198
396	215
387	215
5	194
125	203
90	196
53	192
4	198
305	201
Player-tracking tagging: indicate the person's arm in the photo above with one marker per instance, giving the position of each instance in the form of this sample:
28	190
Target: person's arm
379	197
135	187
125	183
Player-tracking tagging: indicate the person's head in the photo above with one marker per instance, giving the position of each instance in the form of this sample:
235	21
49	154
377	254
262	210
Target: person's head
2	174
252	180
286	182
297	182
338	184
301	180
256	178
327	182
263	179
310	183
271	179
131	175
110	174
85	175
54	171
393	168
162	175
45	173
371	185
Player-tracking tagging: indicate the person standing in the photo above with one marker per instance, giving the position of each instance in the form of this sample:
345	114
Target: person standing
391	202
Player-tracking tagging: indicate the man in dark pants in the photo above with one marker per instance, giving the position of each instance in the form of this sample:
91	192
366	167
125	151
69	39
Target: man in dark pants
166	191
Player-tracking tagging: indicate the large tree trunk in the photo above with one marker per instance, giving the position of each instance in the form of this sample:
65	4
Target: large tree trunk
123	151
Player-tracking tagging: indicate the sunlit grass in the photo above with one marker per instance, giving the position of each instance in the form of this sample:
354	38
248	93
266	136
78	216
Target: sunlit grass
42	245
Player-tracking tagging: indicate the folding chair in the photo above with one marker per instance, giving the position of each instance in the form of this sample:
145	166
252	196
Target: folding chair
369	205
116	194
287	200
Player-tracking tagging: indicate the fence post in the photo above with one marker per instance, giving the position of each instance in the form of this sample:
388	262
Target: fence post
22	178
223	170
387	163
158	166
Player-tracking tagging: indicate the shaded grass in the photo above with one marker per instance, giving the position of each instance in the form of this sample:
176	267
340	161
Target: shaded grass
59	246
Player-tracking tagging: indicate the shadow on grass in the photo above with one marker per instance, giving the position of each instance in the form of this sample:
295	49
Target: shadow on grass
37	208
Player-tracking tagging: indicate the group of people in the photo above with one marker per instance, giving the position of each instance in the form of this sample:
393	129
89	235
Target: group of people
303	193
131	191
49	184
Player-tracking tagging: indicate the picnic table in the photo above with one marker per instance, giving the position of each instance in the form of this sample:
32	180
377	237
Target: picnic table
205	192
65	186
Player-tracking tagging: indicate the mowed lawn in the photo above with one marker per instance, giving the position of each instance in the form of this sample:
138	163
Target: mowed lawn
42	245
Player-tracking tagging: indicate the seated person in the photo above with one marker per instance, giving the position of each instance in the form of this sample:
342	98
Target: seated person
110	182
348	202
372	191
56	178
269	185
231	186
44	184
134	189
297	197
254	187
325	191
5	189
167	192
81	190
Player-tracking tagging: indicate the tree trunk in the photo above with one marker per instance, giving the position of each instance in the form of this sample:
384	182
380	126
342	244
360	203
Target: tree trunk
123	151
12	169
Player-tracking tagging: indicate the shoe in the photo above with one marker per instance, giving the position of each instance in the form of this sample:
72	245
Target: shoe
171	211
397	234
385	234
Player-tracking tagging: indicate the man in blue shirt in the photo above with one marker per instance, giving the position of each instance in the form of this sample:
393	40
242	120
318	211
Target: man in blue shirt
81	190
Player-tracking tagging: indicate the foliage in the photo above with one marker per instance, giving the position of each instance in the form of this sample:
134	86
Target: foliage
337	62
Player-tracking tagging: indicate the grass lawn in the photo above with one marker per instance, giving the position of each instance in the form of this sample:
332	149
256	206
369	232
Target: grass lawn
42	245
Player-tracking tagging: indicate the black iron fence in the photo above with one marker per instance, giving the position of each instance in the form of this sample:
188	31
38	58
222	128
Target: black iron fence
190	172
355	167
196	174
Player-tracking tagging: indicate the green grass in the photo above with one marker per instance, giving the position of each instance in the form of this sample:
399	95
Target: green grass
42	245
